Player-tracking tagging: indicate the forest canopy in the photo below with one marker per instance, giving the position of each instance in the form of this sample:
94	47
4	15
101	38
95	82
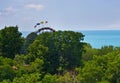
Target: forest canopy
55	57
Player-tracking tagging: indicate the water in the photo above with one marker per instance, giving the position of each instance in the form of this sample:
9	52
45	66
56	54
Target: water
98	38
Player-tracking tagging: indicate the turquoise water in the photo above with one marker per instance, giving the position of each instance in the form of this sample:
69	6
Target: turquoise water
98	38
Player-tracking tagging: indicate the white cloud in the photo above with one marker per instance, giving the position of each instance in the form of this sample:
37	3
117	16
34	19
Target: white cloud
7	10
34	6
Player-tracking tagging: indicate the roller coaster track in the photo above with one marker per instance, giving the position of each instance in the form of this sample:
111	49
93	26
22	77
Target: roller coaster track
45	28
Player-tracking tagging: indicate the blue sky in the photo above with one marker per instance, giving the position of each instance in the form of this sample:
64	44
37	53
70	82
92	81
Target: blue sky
61	14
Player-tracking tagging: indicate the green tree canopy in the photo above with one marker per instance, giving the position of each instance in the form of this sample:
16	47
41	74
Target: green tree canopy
10	41
6	71
64	50
102	69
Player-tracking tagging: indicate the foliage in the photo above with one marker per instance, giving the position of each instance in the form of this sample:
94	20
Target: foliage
64	50
35	50
68	77
106	49
6	81
21	67
102	69
56	58
27	78
28	40
37	65
10	41
48	78
89	53
6	71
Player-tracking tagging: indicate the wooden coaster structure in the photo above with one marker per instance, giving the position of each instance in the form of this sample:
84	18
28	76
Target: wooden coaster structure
45	28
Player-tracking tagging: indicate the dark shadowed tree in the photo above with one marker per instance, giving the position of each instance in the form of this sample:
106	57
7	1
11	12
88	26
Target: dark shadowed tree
64	50
10	41
28	40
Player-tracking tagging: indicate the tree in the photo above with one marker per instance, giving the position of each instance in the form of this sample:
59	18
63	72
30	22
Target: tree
106	49
10	41
48	78
101	69
35	50
67	78
89	53
6	70
64	50
27	78
28	40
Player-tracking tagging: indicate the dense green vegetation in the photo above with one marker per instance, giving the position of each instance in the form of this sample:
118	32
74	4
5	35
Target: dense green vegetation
55	57
10	42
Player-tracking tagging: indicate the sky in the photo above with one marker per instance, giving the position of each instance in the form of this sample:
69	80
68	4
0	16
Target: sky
61	14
